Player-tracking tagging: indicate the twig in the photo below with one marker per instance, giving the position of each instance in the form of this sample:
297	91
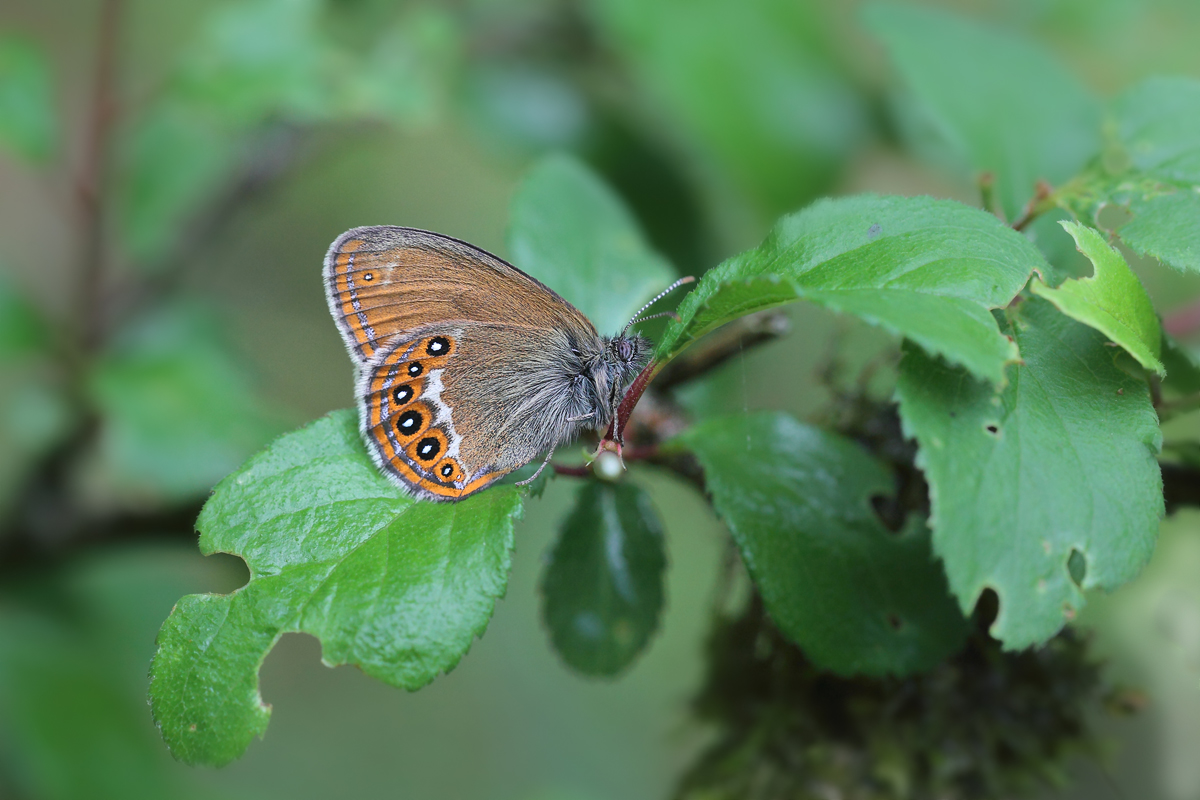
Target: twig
987	194
1183	321
1039	204
90	184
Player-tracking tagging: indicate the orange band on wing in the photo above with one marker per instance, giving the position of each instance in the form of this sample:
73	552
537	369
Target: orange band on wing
400	464
352	313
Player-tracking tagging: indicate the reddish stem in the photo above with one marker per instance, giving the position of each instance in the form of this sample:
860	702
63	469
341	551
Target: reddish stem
1183	321
636	389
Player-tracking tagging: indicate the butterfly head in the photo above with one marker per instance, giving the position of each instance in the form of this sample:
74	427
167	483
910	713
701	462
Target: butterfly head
627	354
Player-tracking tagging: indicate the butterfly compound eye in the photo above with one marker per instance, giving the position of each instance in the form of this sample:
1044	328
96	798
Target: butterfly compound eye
624	349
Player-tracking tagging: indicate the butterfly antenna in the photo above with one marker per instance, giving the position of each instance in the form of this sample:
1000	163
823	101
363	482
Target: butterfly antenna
638	318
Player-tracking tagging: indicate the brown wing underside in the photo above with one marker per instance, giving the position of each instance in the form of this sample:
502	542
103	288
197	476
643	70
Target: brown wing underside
382	281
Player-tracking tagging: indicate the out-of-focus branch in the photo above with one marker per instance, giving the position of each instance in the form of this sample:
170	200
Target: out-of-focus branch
90	183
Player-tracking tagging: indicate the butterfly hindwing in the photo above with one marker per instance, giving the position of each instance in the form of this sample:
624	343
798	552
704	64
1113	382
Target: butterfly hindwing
408	428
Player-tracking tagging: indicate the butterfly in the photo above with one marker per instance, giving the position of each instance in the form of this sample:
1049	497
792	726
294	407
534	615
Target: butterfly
467	368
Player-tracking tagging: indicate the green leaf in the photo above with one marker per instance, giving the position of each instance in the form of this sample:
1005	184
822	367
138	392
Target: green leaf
572	233
755	85
68	726
34	413
176	159
178	412
1061	461
927	269
258	59
602	589
23	330
1150	167
855	597
1182	365
403	77
998	101
396	586
28	122
1113	300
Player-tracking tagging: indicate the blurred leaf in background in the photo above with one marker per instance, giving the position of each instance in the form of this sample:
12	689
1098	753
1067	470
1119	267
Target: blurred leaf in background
755	86
573	234
34	412
178	411
28	120
986	100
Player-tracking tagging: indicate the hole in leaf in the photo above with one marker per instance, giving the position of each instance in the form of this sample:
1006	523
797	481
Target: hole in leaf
1113	216
889	511
232	572
987	607
894	621
1077	566
993	429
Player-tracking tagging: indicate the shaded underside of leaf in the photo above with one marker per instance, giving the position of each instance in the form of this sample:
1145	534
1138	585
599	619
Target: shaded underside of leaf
1112	300
395	586
857	598
1061	462
927	269
572	233
602	588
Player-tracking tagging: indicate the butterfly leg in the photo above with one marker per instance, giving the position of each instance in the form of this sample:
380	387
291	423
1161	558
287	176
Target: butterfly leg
533	477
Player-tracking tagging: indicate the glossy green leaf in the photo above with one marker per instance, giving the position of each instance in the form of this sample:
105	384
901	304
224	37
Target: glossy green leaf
1112	300
999	102
396	586
755	85
1151	168
930	270
602	589
857	598
572	233
1061	461
28	122
178	411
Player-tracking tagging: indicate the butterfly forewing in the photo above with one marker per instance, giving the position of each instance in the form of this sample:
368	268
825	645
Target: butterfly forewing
383	281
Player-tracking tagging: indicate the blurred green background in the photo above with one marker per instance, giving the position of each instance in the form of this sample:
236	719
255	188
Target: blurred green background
244	137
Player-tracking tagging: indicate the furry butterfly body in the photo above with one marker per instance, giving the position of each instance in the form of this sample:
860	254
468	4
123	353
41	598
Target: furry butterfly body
467	368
